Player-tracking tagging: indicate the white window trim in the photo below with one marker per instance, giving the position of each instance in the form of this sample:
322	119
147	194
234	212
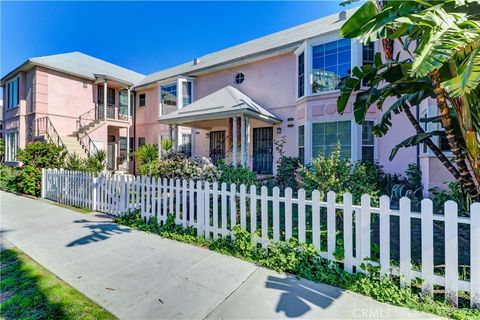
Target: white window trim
375	143
297	53
8	147
307	47
177	81
7	102
354	136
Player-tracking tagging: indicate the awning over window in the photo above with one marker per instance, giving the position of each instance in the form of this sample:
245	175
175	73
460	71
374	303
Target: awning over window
224	103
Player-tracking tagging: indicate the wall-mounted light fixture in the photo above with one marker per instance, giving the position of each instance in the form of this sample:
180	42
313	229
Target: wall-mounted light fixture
279	130
290	125
85	85
207	135
290	119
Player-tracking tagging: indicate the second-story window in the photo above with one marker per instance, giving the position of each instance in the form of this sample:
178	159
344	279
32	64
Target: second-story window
142	100
187	92
169	98
368	56
331	64
13	94
301	75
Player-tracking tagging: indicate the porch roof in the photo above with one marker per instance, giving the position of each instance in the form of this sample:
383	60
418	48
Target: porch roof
224	103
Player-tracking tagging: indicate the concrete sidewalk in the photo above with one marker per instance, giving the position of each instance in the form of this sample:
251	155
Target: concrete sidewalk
136	275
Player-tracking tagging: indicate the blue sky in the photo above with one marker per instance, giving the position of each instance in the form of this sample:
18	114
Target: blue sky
143	36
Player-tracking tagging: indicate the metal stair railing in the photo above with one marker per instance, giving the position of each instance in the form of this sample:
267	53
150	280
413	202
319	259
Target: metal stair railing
83	137
45	127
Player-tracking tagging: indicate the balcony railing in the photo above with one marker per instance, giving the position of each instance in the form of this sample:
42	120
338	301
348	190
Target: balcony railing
113	112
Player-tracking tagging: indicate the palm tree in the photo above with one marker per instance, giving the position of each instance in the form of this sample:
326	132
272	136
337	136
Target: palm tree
447	37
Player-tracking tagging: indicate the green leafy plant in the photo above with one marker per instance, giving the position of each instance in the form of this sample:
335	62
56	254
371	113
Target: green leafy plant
340	175
286	168
74	163
30	180
166	144
42	155
238	175
146	153
2	151
9	178
97	162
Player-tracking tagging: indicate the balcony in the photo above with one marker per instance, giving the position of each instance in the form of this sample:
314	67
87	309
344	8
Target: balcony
113	112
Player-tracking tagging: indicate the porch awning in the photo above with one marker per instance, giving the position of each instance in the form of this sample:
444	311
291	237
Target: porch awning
224	103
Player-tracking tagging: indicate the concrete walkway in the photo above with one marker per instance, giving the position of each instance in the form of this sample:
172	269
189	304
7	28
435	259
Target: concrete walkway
136	275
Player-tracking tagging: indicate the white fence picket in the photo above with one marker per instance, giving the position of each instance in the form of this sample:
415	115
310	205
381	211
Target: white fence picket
288	213
316	219
475	255
198	204
233	208
301	215
427	247
264	215
276	213
348	260
451	253
405	243
384	236
331	232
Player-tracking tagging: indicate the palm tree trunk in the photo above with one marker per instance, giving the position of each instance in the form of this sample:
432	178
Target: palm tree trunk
466	177
435	149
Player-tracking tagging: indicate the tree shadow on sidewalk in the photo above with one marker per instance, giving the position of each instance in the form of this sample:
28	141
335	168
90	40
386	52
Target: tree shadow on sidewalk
99	231
297	292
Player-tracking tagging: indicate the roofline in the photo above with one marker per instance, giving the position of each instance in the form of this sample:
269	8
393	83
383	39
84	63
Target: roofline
217	115
225	64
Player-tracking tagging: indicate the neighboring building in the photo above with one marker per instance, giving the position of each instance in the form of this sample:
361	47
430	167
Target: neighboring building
1	119
281	85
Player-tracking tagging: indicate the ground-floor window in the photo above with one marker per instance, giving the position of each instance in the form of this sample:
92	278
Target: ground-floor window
11	146
327	135
186	145
301	143
368	142
122	148
141	141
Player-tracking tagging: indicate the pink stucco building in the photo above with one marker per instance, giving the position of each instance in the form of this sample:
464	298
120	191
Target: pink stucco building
281	86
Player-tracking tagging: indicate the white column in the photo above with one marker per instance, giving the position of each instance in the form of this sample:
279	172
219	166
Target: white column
128	149
242	141
247	151
179	93
175	137
234	141
105	100
308	137
128	103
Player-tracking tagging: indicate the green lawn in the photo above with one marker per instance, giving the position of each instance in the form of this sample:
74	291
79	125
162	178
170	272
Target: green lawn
29	291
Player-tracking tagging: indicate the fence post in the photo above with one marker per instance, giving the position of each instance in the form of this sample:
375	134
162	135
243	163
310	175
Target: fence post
475	255
348	232
331	232
44	184
200	209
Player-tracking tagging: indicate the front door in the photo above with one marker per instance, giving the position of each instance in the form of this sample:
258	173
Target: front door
111	153
217	146
263	150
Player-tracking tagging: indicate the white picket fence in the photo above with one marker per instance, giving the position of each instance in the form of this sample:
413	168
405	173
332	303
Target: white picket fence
214	210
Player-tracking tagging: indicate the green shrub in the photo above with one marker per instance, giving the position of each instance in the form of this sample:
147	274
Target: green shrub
42	155
286	168
175	165
238	175
340	175
9	178
30	180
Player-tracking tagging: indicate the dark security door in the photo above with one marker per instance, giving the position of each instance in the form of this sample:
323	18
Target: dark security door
263	150
217	146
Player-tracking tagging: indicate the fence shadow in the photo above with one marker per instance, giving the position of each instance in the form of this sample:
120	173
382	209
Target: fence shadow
100	231
296	292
